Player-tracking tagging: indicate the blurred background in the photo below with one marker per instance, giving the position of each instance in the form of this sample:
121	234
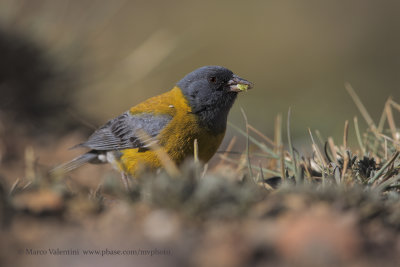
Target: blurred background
72	65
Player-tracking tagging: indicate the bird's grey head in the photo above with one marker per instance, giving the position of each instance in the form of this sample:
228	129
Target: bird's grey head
211	92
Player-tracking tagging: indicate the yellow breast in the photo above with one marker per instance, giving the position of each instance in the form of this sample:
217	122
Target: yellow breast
176	139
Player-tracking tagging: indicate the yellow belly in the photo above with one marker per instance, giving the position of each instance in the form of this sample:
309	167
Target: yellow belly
133	162
176	139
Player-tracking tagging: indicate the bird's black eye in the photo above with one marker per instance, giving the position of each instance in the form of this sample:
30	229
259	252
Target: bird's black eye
212	79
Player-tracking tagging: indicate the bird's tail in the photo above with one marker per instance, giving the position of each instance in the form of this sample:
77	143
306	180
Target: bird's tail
73	164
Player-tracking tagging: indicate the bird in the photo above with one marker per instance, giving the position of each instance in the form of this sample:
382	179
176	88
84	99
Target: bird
196	108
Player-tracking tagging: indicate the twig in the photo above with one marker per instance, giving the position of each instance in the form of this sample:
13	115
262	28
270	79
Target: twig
196	151
390	119
333	150
266	138
386	183
316	149
384	167
361	107
247	144
294	163
359	136
346	133
228	149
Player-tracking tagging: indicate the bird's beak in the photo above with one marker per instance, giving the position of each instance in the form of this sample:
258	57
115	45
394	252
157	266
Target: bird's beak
237	84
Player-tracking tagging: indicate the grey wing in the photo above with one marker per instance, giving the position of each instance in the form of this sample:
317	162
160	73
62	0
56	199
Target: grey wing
123	132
